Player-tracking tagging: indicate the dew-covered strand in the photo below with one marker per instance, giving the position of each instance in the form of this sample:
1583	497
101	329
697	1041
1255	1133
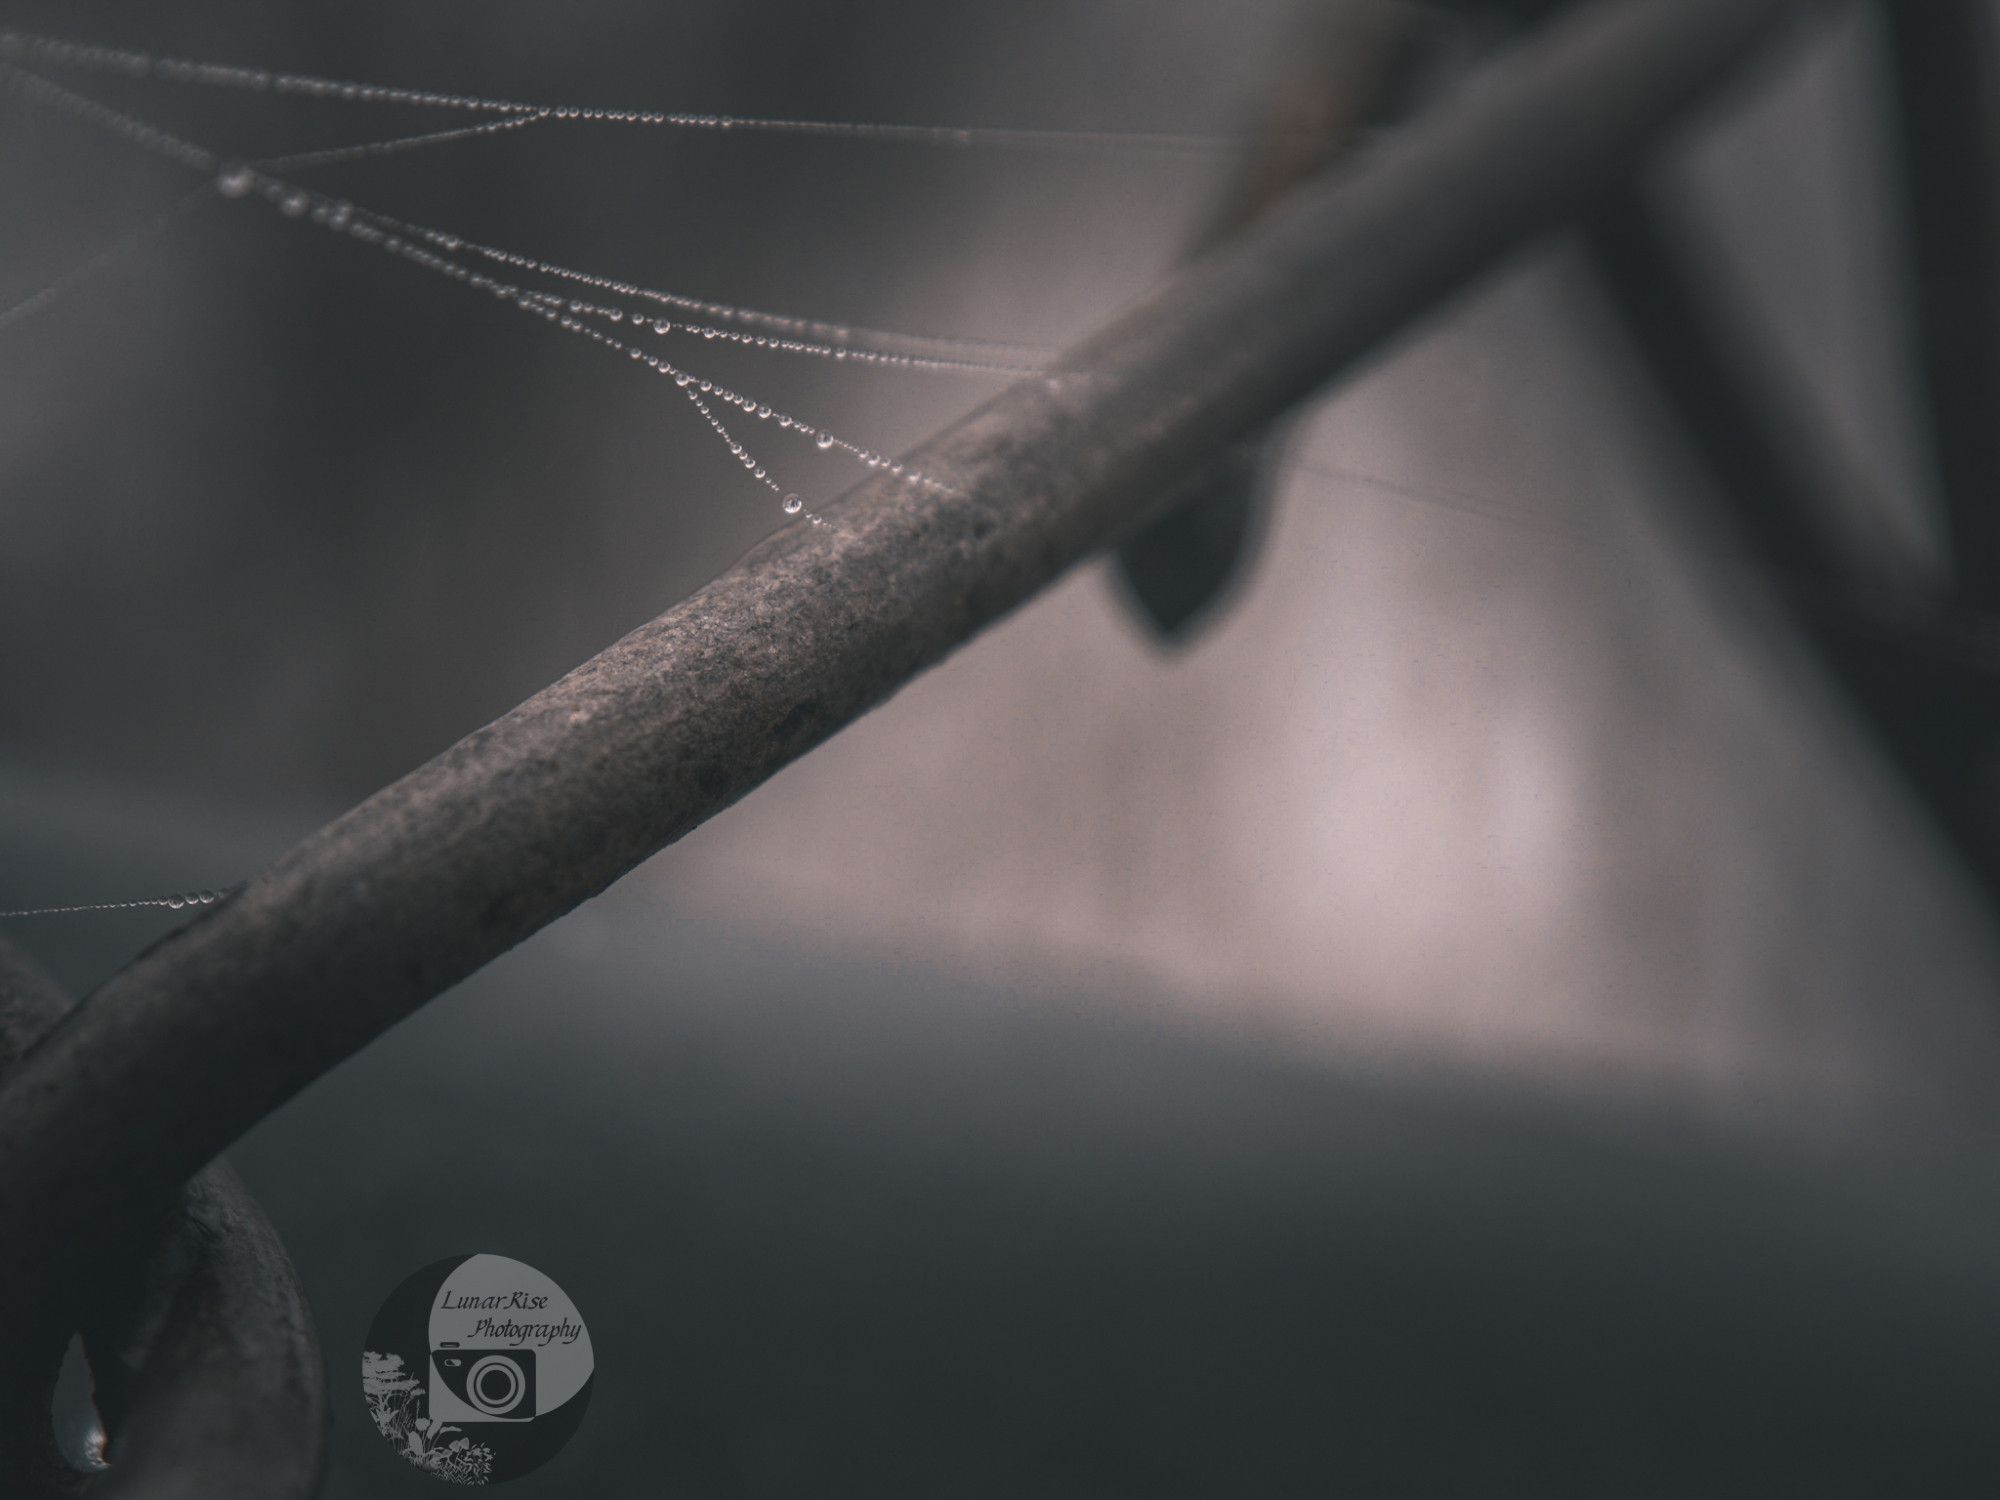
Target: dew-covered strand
178	902
977	355
147	137
55	52
395	144
369	229
119	248
236	179
643	318
240	180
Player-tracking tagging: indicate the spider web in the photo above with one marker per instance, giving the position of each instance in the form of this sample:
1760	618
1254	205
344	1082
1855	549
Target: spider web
645	325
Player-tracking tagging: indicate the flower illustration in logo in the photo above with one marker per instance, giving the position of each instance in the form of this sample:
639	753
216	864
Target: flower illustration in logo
396	1400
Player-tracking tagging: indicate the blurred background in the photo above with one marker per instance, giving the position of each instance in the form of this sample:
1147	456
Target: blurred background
1069	1045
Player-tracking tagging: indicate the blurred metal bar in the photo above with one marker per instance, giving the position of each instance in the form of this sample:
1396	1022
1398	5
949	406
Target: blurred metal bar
1349	69
202	1350
1923	676
1945	61
1925	680
1772	458
448	867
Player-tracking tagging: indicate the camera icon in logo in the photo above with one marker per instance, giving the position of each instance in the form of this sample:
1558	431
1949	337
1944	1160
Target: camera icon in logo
482	1385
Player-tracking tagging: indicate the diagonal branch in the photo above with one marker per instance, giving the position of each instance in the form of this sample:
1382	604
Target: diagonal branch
447	868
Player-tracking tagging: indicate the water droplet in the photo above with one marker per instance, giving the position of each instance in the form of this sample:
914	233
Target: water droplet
175	903
793	505
294	205
235	181
825	440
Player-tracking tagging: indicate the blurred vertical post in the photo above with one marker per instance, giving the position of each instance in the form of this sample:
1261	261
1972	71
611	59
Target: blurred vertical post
1945	62
1915	668
1775	459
